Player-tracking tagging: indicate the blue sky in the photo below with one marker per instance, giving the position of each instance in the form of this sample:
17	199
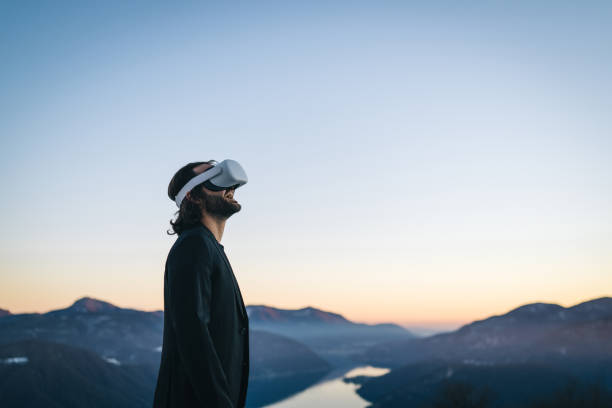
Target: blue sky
423	163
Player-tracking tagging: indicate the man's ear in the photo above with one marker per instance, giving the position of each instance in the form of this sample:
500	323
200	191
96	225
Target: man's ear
190	198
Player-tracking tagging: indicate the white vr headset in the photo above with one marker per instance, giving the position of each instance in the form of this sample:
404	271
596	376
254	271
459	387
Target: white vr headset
228	173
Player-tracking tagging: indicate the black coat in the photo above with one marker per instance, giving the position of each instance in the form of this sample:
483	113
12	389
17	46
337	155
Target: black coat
205	354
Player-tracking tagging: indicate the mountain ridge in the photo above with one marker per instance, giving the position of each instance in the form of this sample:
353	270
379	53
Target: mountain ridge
531	331
529	310
262	313
306	314
88	304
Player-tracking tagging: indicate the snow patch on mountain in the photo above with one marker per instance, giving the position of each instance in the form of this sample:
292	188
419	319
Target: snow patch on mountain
112	360
14	360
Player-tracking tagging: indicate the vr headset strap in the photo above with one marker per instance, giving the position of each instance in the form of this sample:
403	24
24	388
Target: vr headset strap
200	178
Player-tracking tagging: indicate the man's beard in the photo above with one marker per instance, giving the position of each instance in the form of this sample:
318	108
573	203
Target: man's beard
219	206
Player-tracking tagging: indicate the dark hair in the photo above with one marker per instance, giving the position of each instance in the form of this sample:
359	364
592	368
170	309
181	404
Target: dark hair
190	212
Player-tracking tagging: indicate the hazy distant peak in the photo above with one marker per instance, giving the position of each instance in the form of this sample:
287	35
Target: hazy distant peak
592	309
319	314
91	305
307	314
4	312
546	313
536	308
602	303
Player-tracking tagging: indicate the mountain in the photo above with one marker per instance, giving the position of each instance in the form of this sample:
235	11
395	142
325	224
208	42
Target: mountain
273	375
4	312
535	353
90	305
532	331
91	330
126	335
277	356
307	315
36	373
439	383
130	336
310	317
330	335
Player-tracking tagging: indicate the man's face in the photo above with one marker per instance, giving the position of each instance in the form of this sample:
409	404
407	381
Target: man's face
219	204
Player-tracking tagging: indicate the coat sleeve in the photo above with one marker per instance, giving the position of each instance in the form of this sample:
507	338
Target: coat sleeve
190	295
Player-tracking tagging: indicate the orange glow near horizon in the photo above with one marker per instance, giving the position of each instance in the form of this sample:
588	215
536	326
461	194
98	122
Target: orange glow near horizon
442	310
448	290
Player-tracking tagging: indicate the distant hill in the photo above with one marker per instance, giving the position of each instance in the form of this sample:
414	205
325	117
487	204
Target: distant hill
330	335
532	354
90	305
36	373
271	354
273	374
438	383
126	335
4	312
94	330
130	336
307	315
528	332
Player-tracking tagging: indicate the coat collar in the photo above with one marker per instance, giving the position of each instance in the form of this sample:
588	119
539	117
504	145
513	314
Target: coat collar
209	233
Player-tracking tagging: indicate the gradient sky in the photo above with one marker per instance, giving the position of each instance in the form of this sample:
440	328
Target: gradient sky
425	163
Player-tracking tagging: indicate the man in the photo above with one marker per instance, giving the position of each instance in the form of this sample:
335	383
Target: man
205	353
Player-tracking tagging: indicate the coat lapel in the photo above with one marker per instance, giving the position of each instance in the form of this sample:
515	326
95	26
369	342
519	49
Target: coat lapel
237	293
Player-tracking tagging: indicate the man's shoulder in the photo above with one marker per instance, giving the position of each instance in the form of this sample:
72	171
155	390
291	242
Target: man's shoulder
191	250
194	237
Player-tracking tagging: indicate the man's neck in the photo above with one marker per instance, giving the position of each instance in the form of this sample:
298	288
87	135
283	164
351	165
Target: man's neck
215	225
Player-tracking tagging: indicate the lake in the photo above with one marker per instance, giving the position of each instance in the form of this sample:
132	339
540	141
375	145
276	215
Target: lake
331	391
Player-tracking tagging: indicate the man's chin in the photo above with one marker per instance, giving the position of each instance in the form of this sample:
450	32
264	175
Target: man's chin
231	209
233	204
